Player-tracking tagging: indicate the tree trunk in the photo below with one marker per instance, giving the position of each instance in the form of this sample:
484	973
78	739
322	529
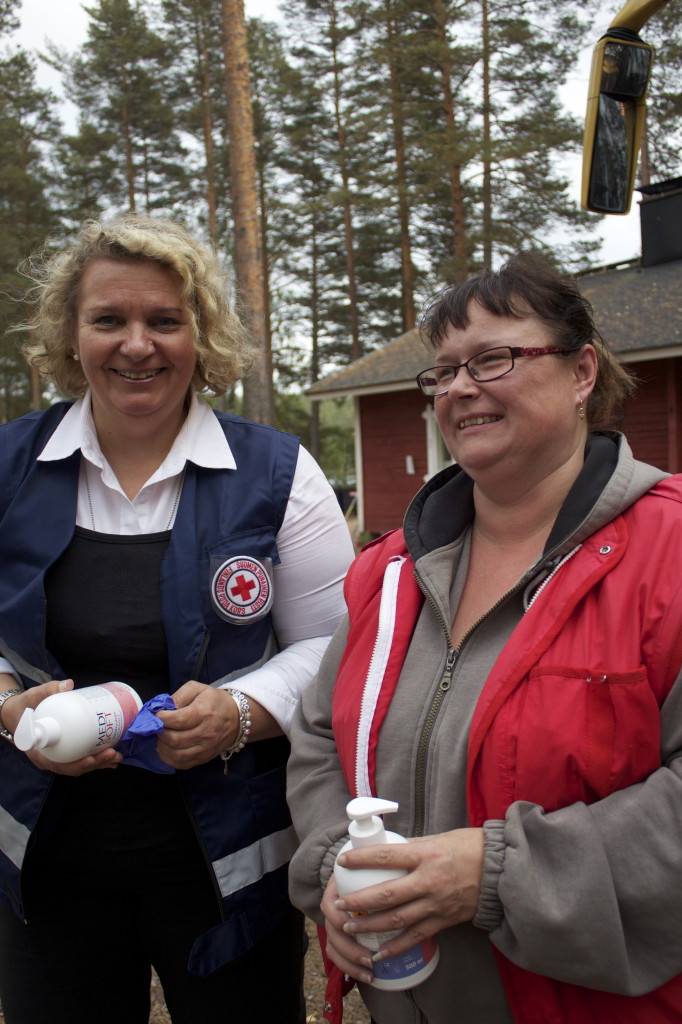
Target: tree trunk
644	161
258	389
204	81
406	265
456	195
349	241
315	340
265	258
487	163
35	389
127	142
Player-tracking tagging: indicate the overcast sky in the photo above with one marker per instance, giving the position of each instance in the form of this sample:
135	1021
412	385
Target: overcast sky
65	22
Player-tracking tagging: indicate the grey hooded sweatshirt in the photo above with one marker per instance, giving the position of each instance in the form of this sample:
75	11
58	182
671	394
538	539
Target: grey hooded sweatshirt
578	863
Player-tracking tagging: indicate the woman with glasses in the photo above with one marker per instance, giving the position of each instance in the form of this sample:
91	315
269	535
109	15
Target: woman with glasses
147	538
509	673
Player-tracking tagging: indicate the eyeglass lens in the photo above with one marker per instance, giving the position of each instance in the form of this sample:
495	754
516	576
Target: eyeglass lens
495	362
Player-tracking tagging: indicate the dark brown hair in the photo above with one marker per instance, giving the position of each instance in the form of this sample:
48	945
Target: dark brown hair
526	287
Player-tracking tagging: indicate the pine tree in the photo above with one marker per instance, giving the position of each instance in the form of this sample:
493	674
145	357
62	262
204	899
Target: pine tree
267	64
428	74
27	125
328	29
389	51
527	49
127	147
8	18
662	147
487	128
309	227
192	29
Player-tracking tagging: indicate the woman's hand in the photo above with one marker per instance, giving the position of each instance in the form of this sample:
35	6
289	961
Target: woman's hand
13	709
349	955
206	721
441	889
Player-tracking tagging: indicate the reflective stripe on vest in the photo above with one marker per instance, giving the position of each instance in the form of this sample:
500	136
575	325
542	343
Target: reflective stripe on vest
24	668
13	838
244	867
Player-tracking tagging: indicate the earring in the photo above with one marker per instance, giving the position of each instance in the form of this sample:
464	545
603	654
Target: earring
581	412
76	357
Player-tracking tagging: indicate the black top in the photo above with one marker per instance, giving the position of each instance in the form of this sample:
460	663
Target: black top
104	611
104	623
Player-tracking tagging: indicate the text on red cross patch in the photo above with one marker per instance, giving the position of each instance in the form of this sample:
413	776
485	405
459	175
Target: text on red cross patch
241	590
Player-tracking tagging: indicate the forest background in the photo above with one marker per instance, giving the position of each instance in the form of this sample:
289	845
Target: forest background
399	145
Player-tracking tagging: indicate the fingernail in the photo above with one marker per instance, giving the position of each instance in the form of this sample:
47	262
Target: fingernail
349	927
366	962
381	954
367	978
340	904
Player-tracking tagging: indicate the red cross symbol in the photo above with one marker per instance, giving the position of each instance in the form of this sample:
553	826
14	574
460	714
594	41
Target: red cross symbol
243	588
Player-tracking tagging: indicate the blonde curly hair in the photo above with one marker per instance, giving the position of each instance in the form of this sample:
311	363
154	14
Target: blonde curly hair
222	344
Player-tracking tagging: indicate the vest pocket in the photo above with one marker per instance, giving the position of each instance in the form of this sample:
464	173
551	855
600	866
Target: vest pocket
585	733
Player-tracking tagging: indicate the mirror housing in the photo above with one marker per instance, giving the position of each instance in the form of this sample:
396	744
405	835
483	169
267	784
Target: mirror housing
616	105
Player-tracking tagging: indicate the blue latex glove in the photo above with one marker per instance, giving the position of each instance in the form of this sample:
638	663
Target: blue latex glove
138	744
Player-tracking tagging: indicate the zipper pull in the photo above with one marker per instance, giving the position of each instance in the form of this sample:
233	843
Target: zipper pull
446	678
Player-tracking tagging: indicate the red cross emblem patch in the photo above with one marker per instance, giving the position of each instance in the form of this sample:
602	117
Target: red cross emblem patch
241	590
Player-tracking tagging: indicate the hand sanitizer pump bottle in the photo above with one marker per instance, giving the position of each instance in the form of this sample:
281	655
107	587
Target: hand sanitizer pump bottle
367	829
75	723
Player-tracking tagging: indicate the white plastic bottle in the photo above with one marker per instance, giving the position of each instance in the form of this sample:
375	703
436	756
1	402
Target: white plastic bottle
366	829
74	723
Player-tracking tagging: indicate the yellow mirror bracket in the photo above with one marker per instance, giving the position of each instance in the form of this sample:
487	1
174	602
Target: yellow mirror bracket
636	13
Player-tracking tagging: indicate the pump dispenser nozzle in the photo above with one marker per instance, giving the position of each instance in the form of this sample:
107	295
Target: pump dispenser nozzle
365	828
34	733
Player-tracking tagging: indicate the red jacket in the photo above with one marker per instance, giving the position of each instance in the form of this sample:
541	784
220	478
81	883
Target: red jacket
523	745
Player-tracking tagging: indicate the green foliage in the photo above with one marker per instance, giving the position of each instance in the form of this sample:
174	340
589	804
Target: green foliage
27	216
128	152
664	105
399	144
192	33
336	453
8	15
504	61
343	159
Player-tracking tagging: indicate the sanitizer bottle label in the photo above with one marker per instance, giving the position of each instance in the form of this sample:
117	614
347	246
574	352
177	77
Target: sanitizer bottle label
406	965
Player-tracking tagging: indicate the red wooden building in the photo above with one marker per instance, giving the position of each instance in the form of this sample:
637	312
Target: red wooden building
638	310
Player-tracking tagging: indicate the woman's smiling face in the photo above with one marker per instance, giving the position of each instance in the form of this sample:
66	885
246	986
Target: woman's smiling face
523	423
135	340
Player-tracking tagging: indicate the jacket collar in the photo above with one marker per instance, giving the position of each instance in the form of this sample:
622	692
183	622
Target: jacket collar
610	481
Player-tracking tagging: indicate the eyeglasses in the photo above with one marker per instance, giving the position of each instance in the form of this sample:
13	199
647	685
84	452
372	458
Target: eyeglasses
487	365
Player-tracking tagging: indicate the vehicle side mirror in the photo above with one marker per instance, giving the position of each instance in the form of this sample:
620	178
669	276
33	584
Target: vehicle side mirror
616	104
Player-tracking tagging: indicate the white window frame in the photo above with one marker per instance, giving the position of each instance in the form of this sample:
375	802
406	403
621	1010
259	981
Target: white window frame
437	455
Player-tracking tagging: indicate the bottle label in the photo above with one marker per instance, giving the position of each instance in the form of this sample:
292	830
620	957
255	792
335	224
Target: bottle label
115	706
405	965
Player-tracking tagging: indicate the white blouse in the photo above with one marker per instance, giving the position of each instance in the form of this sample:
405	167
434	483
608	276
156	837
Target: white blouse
314	543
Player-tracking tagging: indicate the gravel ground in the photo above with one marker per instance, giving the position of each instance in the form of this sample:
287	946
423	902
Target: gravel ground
314	985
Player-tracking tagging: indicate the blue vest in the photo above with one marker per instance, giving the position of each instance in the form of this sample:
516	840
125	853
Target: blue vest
242	817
